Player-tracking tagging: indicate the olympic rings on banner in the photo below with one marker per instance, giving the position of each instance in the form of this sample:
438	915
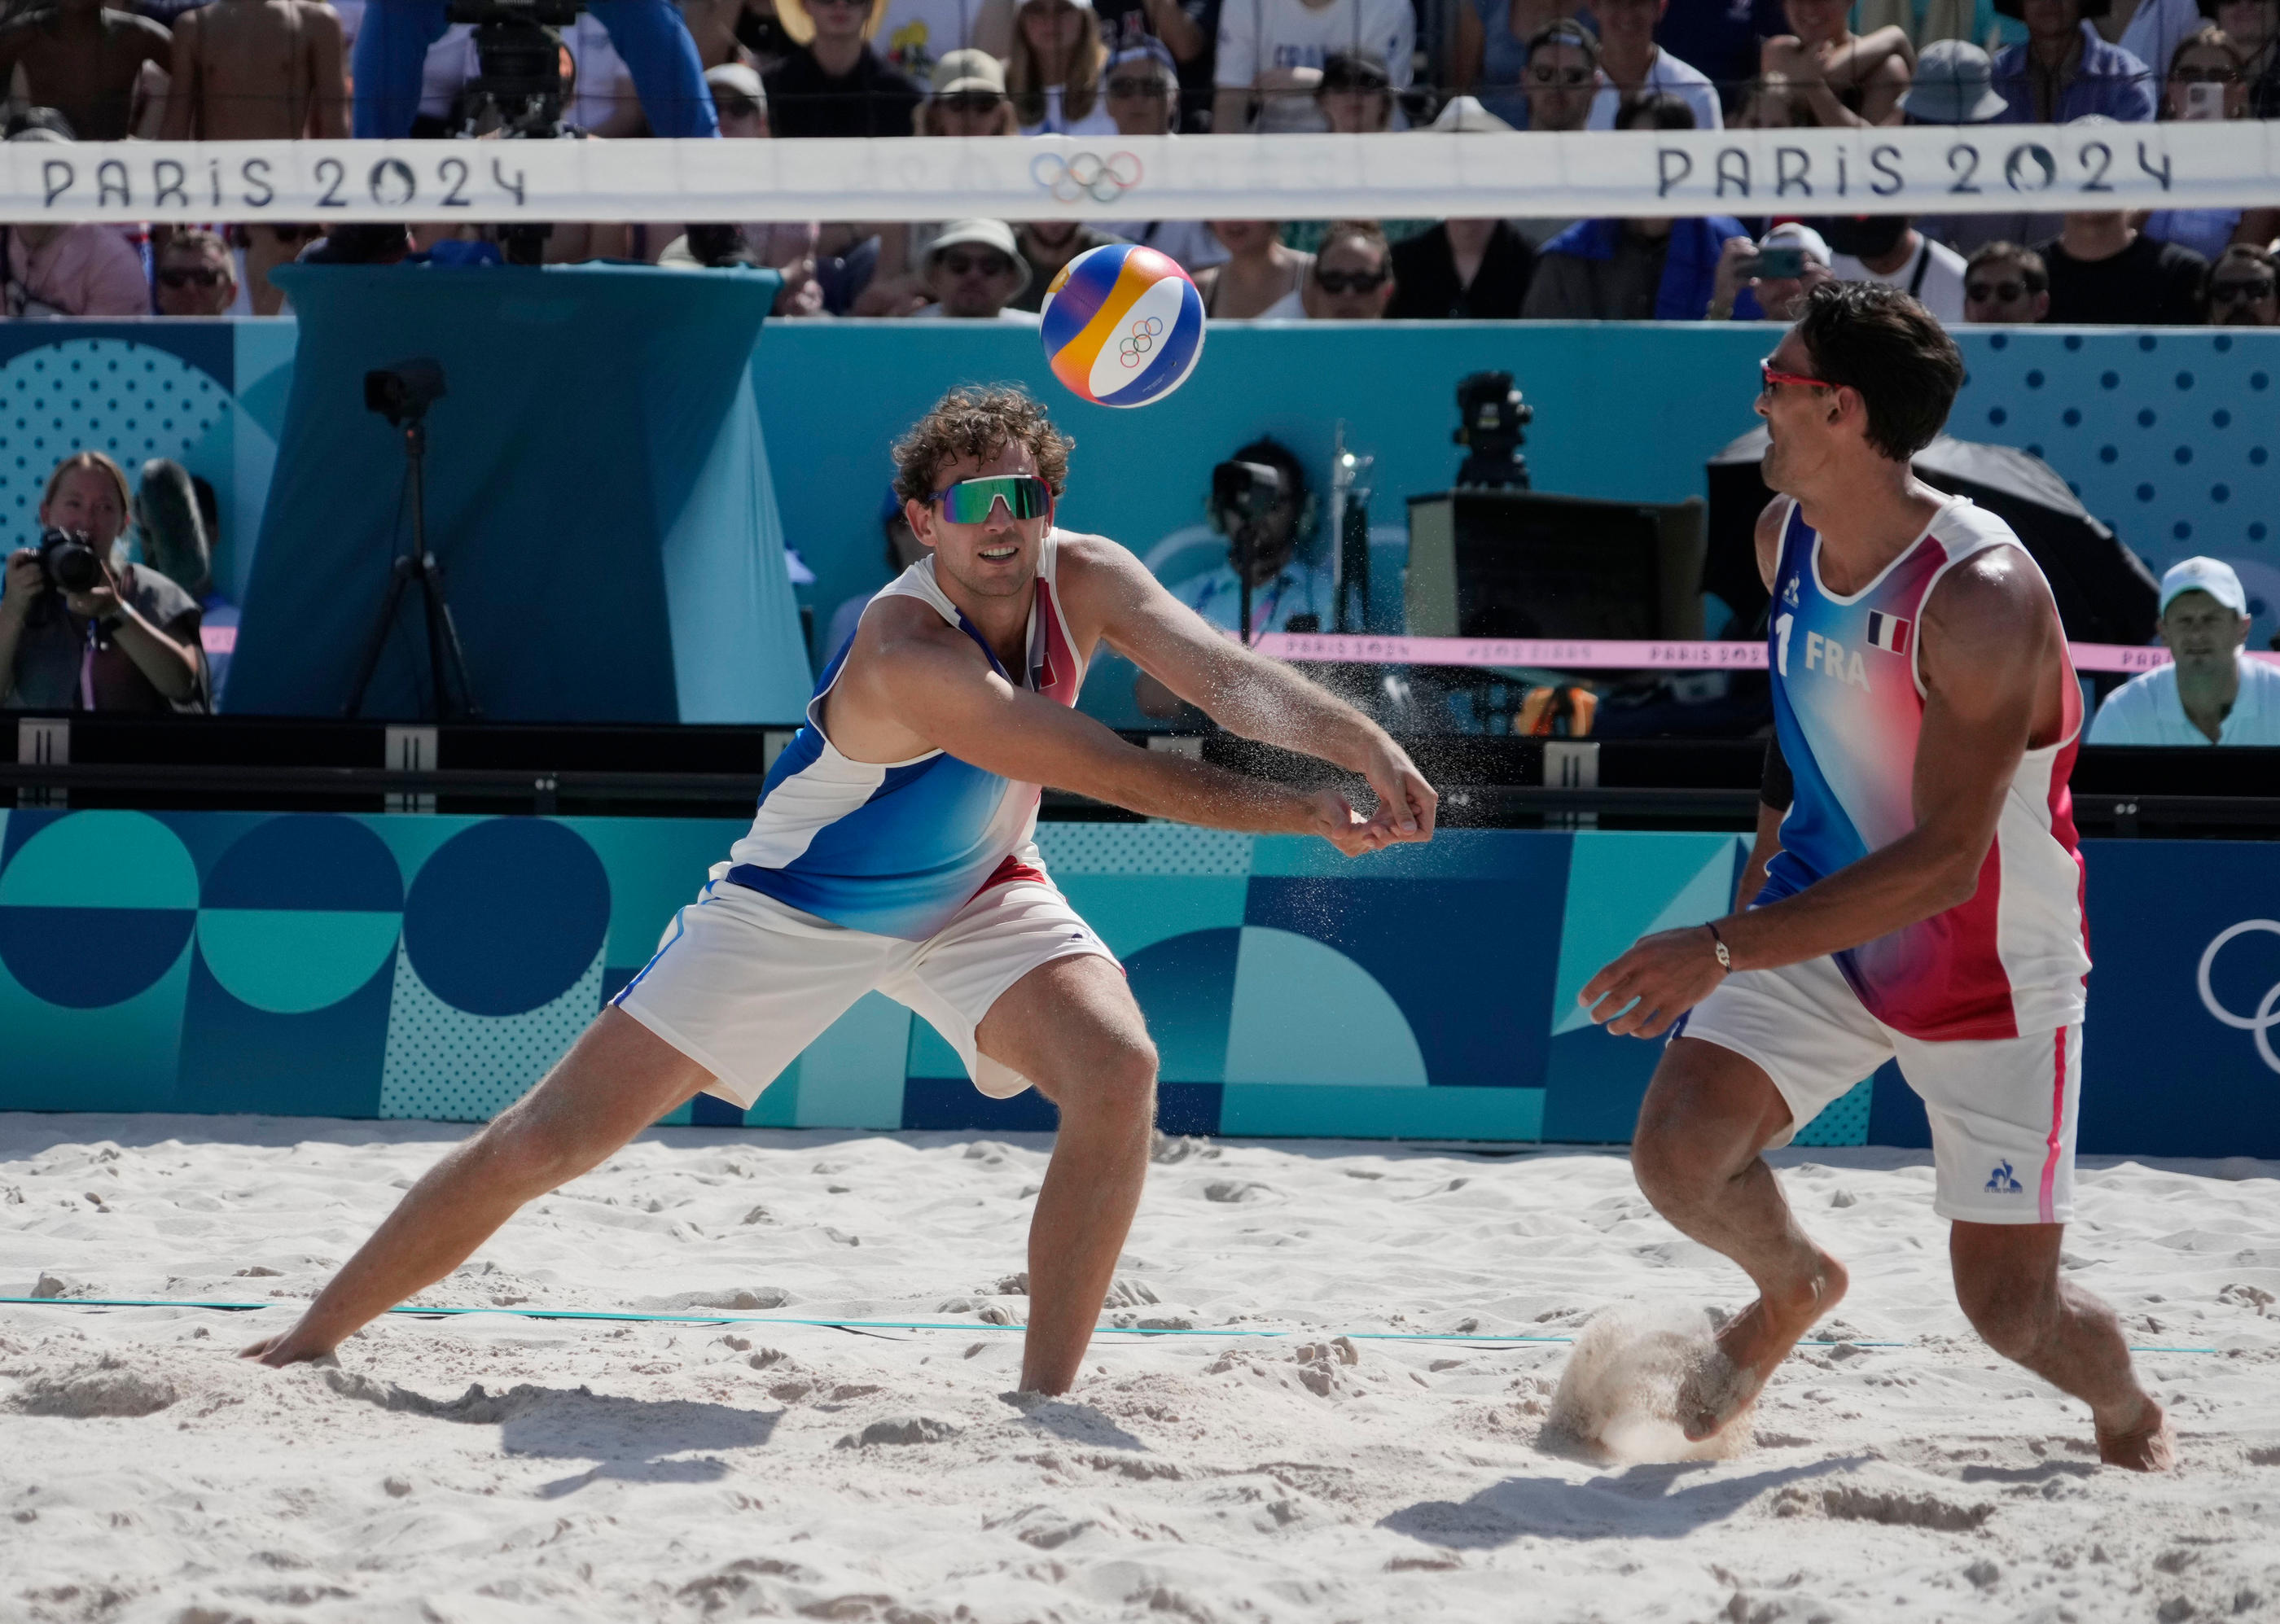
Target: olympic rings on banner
2261	1023
1085	174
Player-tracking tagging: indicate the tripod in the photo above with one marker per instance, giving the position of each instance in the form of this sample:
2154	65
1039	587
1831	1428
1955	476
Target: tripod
444	655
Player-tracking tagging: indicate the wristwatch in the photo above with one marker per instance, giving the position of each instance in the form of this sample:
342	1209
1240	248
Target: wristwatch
1718	946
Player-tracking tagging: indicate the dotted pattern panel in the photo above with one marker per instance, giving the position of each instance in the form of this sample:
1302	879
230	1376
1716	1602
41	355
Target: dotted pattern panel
2169	437
94	395
1142	848
446	1066
1844	1122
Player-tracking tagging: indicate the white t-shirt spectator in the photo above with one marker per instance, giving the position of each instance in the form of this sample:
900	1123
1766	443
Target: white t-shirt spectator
1095	122
1257	37
1933	274
1298	588
2146	711
1666	76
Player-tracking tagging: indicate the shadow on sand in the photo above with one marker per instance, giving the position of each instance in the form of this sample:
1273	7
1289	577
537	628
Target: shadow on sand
1646	1502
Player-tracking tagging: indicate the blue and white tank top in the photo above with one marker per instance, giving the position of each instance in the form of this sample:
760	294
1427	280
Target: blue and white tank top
1848	706
899	848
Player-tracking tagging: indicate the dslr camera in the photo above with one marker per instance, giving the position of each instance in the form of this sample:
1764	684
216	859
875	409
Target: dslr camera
68	564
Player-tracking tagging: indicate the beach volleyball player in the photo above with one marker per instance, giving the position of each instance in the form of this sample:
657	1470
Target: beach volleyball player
1926	902
892	851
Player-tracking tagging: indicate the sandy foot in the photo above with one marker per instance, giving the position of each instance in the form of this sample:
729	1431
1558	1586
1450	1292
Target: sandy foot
489	1469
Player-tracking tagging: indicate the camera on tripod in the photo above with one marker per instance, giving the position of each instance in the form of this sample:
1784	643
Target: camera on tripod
1492	423
517	91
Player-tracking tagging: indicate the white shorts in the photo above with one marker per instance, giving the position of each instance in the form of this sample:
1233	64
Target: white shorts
2002	1110
742	983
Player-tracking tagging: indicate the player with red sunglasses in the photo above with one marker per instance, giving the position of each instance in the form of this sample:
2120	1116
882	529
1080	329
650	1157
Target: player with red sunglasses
892	851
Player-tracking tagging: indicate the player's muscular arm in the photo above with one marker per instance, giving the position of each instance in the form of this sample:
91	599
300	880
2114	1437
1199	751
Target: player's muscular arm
945	698
1243	692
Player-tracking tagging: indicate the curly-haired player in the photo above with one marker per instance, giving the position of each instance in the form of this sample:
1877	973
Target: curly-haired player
892	852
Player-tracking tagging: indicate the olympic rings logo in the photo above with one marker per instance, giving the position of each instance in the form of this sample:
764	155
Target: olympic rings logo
1085	174
2266	1018
1138	340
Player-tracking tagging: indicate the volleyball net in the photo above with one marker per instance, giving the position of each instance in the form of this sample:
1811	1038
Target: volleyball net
1919	170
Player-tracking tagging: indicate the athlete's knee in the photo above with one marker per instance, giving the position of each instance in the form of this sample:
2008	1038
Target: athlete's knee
2013	1315
1118	1080
1672	1173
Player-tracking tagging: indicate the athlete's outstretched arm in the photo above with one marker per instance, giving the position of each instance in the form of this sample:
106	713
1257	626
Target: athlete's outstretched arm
1990	635
941	692
1248	693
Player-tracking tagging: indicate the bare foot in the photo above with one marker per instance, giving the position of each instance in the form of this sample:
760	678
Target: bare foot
2148	1446
1750	1345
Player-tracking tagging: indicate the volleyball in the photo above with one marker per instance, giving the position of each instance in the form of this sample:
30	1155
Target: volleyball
1122	325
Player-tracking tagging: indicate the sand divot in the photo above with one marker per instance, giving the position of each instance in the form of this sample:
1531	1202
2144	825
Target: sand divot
1618	1396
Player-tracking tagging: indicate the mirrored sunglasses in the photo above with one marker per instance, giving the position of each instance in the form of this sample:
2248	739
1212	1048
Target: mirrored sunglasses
969	501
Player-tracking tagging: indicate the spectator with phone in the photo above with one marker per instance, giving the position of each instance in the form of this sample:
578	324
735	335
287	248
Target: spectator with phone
2005	282
2206	82
80	632
1768	280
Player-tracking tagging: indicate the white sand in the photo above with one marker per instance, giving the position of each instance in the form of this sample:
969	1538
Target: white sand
614	1471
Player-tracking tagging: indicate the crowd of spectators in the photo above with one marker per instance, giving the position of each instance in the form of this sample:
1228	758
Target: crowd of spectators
793	69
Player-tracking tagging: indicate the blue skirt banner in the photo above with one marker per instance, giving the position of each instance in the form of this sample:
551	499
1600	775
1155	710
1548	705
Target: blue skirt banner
330	964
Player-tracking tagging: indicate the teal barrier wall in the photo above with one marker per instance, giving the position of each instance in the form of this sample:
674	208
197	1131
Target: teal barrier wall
2168	435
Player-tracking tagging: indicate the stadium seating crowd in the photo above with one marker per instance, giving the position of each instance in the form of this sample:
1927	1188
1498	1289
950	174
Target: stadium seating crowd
913	69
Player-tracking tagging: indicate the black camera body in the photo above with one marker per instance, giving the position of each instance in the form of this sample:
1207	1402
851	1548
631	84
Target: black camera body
1492	423
518	87
402	393
67	561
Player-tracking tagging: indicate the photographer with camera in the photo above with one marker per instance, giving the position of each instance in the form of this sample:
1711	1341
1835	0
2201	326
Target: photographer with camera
79	633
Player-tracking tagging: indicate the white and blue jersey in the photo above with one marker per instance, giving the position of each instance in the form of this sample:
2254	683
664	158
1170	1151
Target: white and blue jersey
897	849
1848	704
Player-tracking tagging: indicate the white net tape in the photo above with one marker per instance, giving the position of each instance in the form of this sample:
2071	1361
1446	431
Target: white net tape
1925	170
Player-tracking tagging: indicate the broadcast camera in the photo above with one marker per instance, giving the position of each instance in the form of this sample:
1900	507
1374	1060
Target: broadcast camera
1492	423
516	91
404	392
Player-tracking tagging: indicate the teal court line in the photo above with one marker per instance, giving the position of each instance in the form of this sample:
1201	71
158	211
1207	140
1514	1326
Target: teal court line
1468	1339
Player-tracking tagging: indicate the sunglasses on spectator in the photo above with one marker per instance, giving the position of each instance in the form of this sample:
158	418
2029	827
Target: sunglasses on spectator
1770	377
966	265
191	276
1133	89
969	501
2205	76
1350	282
974	102
851	4
1983	293
2241	292
1569	76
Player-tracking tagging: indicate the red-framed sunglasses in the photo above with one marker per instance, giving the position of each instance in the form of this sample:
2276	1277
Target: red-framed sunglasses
1765	370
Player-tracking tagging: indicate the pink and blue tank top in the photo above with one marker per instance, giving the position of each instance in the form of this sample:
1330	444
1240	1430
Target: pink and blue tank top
1848	706
898	849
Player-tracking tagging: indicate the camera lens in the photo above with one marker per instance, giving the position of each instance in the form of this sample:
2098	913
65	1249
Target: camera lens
75	567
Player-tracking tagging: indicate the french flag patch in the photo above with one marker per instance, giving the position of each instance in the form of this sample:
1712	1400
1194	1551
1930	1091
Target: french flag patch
1887	632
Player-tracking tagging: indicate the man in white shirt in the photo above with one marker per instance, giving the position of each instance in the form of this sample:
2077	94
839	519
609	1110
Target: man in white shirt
2211	693
1631	64
1271	53
1887	249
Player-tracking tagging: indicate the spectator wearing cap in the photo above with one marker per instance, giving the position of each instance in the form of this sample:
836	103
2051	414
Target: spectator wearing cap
1492	44
77	270
196	275
1271	54
2005	282
1845	79
1887	248
1741	291
966	96
2207	81
1352	279
1633	68
1558	84
1462	270
1181	30
832	82
915	35
1954	84
2063	71
1054	72
1633	270
1142	89
2211	692
86	60
1355	95
2244	287
2106	273
789	247
975	270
